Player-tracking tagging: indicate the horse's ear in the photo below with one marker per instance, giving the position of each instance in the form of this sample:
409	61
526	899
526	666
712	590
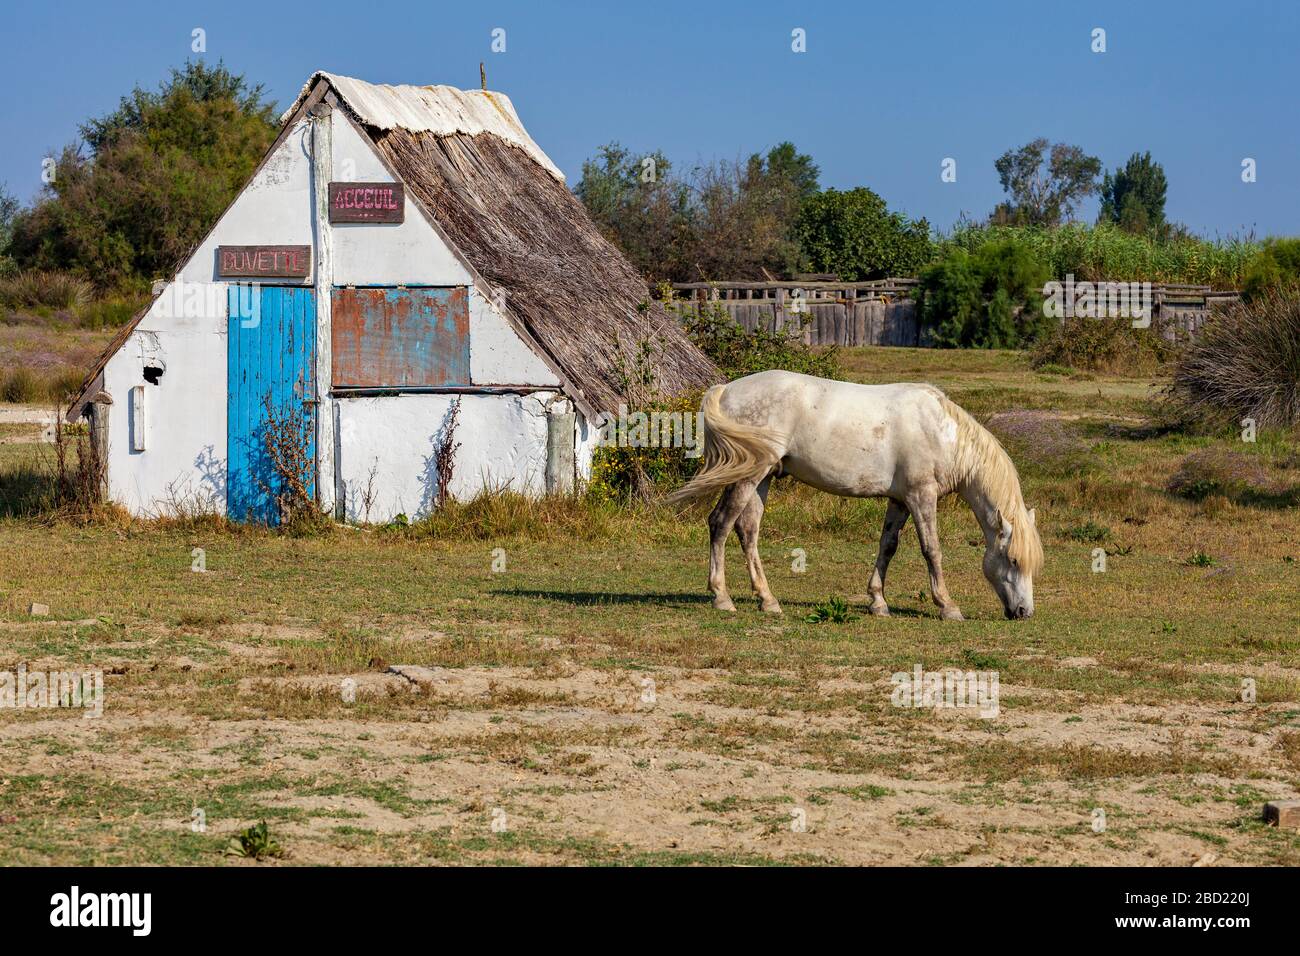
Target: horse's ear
1005	526
1031	517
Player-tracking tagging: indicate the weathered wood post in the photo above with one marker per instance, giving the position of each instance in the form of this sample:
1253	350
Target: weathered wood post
97	412
330	494
561	427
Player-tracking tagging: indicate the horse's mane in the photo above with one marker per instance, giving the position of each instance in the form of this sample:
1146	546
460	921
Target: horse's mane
984	463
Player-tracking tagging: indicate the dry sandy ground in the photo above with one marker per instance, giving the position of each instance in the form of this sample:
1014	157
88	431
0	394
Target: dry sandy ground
688	768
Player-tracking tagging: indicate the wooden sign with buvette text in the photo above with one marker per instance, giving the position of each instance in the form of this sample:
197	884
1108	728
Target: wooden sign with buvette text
367	202
263	262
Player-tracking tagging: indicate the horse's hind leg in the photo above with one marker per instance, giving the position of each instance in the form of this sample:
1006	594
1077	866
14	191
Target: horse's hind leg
747	526
927	530
895	519
721	521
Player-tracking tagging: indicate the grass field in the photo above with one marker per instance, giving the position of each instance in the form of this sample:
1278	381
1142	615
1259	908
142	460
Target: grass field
586	704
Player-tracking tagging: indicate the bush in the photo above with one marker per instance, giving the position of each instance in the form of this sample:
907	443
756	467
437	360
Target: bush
79	472
992	298
738	351
1245	363
1275	269
22	385
722	219
1107	253
1102	345
854	235
35	288
622	471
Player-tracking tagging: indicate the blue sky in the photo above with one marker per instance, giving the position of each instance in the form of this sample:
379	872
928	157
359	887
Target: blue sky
883	94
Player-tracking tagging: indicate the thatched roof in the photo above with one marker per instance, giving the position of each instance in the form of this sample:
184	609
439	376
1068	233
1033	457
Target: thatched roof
502	205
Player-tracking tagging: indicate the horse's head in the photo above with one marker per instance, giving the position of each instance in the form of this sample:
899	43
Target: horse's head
1011	558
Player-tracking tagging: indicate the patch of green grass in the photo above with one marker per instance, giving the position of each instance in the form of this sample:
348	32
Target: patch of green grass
831	611
1089	532
255	843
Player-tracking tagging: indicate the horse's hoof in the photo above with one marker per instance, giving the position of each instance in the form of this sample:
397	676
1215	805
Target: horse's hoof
724	604
951	614
770	607
879	610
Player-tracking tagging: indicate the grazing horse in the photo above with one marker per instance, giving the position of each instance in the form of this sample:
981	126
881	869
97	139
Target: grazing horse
907	443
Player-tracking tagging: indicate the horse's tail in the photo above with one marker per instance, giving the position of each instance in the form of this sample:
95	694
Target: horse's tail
733	451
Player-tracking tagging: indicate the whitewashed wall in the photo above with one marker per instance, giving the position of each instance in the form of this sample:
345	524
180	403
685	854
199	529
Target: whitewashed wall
502	437
409	253
585	438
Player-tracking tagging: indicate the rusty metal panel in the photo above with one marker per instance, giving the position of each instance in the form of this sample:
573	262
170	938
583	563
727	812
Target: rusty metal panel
395	338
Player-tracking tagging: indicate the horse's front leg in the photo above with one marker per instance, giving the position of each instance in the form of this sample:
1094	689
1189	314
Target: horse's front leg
923	510
747	526
721	521
895	519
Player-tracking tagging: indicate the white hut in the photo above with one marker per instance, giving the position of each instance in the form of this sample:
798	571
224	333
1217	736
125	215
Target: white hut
400	251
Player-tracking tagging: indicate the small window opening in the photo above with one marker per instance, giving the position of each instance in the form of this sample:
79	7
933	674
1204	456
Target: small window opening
152	373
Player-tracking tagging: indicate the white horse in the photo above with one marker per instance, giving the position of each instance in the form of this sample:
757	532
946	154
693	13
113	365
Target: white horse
907	443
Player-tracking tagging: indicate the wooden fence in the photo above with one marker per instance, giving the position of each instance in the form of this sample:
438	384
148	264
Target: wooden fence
883	312
1181	310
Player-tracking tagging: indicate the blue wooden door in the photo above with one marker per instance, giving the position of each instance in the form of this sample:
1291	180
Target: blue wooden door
271	391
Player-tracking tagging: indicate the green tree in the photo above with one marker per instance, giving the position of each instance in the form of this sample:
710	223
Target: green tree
148	180
991	298
788	169
723	220
1133	197
1276	268
854	235
8	212
641	208
1044	186
746	215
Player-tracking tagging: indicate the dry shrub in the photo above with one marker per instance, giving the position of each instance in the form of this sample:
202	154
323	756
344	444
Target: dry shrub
57	385
444	456
35	288
20	385
79	470
1221	471
1245	363
287	437
1104	345
498	512
1289	744
1041	440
